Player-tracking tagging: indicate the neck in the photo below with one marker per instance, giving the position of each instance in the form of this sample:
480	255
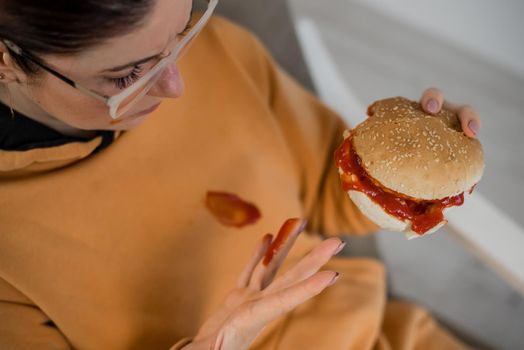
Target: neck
14	99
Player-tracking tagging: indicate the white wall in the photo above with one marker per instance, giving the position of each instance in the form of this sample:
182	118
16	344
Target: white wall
489	28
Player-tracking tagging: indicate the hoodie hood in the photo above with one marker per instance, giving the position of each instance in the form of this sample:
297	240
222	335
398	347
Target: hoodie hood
28	147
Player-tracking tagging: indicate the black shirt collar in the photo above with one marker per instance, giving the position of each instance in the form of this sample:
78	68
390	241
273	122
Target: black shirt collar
20	133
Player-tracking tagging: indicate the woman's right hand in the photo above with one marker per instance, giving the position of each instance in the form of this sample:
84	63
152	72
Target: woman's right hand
259	298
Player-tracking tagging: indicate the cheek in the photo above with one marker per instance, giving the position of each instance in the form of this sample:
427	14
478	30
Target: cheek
70	105
81	111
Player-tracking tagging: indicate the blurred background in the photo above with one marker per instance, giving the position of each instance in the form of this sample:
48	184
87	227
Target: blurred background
474	52
358	51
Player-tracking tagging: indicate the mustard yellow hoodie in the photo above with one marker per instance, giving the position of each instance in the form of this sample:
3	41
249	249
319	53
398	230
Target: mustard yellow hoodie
112	248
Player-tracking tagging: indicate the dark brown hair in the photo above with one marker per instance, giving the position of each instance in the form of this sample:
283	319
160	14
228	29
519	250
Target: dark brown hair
66	26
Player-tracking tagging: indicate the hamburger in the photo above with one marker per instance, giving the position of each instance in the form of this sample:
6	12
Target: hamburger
403	168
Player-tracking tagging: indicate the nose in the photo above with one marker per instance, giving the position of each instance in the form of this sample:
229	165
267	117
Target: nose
170	84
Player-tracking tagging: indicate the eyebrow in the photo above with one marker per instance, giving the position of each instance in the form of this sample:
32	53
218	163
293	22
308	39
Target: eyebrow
143	60
131	64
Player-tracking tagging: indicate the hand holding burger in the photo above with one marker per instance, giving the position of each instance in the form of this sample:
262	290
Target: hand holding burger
403	167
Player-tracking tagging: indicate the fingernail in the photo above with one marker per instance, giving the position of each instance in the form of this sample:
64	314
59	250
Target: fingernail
474	126
432	106
339	248
335	278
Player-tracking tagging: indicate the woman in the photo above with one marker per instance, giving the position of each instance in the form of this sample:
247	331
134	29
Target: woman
105	242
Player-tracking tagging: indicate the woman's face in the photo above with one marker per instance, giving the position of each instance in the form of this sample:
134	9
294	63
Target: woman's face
109	68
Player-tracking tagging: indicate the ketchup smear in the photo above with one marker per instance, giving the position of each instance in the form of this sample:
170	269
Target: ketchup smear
231	210
423	214
289	227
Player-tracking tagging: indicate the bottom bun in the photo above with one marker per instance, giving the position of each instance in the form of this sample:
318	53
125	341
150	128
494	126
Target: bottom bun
376	214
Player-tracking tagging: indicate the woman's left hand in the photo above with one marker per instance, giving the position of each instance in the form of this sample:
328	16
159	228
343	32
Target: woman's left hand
432	102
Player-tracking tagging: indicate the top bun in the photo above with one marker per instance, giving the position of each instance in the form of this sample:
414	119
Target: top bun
425	157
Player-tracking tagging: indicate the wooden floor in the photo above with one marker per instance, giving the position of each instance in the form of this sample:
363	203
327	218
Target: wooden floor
380	57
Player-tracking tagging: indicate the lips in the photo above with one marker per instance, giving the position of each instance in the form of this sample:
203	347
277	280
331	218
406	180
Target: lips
136	115
145	111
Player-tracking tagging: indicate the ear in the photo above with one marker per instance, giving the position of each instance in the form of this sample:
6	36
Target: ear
9	71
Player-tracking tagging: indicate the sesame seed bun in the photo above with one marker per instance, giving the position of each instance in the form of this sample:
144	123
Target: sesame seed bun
421	156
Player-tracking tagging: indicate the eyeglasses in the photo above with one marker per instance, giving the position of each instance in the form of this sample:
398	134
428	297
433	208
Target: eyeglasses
123	101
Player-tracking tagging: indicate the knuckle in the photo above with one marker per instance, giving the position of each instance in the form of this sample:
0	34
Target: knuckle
317	254
230	329
324	249
434	90
427	92
315	288
467	110
243	316
320	255
282	303
248	310
308	289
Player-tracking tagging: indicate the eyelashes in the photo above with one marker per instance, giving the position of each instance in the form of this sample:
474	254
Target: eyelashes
123	82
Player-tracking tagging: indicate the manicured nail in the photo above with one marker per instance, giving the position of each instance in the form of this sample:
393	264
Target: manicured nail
473	125
335	278
339	248
432	106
